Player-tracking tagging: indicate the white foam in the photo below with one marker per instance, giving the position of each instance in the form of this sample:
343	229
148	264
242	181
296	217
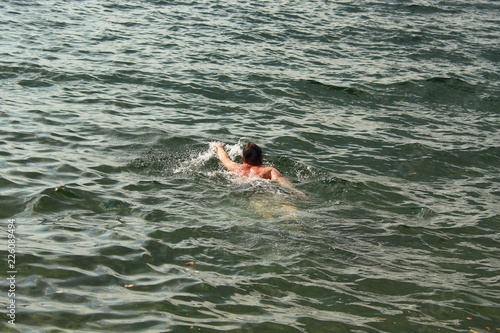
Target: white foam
234	150
196	160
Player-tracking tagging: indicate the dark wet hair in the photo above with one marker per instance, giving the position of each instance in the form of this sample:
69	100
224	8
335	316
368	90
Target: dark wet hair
252	154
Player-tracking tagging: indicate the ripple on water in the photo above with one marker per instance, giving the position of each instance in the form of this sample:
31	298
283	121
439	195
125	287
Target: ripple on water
385	115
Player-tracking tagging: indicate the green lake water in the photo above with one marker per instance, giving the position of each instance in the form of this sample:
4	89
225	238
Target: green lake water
385	113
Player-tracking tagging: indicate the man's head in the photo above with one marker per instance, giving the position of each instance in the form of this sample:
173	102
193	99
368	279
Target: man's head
252	154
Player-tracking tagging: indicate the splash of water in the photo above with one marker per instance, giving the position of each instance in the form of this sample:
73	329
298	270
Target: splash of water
197	159
234	150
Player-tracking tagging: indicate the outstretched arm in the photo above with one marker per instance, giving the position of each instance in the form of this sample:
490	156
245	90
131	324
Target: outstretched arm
222	155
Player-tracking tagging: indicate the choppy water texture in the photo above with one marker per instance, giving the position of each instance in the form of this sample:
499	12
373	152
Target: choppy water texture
386	113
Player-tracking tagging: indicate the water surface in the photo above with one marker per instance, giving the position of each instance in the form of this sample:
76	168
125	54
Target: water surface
384	112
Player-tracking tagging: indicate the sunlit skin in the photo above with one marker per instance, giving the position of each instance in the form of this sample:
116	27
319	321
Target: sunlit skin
254	170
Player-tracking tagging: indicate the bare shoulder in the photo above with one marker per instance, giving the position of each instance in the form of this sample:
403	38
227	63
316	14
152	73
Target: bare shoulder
268	173
274	173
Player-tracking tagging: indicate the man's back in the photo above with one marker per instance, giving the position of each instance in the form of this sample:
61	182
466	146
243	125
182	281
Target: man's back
247	170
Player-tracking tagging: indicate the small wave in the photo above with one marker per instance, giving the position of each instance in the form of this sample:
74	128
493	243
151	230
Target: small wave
9	206
427	9
34	83
436	90
315	87
72	198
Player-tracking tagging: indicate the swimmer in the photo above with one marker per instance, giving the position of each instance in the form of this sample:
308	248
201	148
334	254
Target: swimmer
252	166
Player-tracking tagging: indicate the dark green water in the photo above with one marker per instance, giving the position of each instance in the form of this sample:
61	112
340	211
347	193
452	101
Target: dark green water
386	113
